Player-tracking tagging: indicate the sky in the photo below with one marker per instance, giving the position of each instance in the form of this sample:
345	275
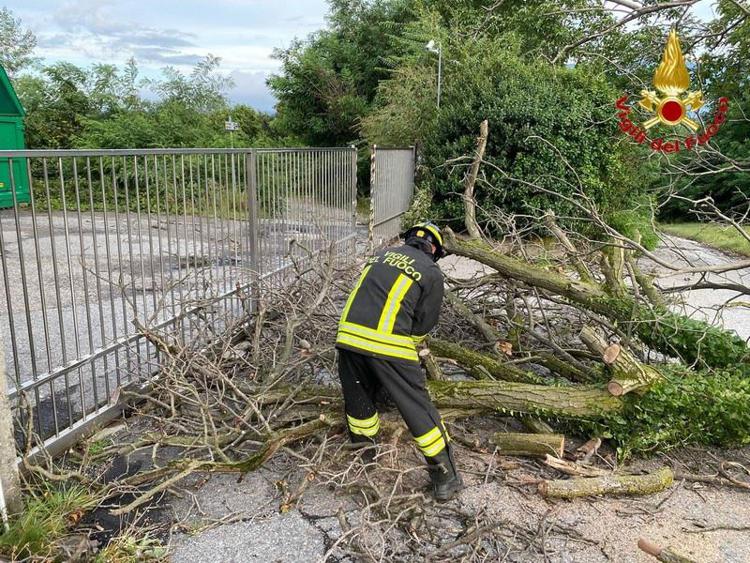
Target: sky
177	33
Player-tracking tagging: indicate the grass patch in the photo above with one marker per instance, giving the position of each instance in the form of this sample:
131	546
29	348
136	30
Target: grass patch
363	209
721	237
46	518
133	546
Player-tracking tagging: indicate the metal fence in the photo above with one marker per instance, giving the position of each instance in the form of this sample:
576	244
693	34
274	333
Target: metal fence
116	241
391	191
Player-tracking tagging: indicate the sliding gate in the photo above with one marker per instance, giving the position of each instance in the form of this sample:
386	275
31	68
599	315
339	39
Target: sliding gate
117	243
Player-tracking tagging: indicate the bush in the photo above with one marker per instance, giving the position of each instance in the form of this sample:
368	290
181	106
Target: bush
552	133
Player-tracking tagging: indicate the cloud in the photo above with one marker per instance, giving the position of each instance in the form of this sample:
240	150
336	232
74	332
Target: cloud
162	56
98	25
250	88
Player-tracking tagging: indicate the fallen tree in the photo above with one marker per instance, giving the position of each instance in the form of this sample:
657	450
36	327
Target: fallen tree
694	341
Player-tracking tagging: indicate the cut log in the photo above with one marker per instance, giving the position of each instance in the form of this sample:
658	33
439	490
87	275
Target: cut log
667	332
668	555
628	374
479	365
609	485
533	445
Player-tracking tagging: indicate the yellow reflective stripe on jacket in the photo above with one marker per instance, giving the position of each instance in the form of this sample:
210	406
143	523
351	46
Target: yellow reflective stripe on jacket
377	347
393	303
418	339
372	334
353	294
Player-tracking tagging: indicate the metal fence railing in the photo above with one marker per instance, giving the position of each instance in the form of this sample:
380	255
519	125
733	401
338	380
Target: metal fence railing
391	191
117	240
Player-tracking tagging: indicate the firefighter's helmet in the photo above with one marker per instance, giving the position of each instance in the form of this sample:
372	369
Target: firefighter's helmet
429	232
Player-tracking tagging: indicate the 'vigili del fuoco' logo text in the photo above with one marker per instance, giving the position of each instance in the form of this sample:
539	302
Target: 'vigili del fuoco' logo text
672	80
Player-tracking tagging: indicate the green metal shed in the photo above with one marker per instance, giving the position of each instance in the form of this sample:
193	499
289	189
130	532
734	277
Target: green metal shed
11	138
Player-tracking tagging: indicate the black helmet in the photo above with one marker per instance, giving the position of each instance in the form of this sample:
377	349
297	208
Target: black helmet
429	232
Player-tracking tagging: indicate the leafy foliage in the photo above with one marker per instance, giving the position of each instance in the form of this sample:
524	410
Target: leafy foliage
16	43
328	81
727	66
686	408
101	107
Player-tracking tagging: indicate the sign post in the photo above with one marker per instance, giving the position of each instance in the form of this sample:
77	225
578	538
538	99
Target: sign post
231	126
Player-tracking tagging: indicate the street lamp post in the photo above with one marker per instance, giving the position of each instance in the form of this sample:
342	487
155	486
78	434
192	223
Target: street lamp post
432	47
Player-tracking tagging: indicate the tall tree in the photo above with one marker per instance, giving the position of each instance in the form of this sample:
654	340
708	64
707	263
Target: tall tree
16	43
328	81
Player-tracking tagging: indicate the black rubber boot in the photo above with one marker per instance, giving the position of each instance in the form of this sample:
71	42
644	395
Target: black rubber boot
365	446
446	481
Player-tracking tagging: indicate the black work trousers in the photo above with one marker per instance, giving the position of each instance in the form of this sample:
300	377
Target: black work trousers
362	376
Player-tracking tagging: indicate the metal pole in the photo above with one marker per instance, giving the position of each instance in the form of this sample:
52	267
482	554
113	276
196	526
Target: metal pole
10	482
373	195
252	194
353	165
440	73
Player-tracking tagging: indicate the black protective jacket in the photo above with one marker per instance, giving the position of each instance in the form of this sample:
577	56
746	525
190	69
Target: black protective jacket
395	303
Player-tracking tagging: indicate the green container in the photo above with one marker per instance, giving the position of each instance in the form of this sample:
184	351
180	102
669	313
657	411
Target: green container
11	138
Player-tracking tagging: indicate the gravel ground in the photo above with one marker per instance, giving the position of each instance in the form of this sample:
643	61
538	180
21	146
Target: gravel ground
695	519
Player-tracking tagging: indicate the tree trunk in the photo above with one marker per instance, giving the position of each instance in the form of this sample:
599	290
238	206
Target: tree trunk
582	401
470	204
533	445
672	334
608	485
479	365
628	374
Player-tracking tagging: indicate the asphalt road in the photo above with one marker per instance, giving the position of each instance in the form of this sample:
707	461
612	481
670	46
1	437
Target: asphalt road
717	306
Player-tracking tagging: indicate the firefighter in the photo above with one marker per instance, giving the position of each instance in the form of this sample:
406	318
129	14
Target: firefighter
393	306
